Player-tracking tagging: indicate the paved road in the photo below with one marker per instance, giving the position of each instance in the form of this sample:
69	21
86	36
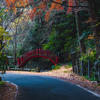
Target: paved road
34	87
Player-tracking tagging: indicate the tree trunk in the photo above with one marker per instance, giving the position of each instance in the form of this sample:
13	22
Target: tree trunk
1	24
79	31
15	49
93	8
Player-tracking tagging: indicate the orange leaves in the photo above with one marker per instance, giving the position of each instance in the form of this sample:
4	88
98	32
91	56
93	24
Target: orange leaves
8	2
32	13
23	3
26	1
43	6
47	16
37	11
70	3
90	37
53	6
57	6
14	3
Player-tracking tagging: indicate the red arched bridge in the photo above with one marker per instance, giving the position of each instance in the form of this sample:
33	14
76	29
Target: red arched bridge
38	53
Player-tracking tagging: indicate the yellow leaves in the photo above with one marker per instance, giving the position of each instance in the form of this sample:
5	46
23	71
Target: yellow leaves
0	19
97	24
4	35
2	31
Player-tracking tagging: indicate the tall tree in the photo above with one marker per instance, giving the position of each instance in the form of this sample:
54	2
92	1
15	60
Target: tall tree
42	5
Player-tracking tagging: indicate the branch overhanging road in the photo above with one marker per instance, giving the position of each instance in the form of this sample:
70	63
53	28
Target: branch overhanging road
36	87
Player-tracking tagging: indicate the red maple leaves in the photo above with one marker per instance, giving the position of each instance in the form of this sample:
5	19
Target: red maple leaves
42	6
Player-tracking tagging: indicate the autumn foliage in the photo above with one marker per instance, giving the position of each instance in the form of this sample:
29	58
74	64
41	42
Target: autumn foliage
39	7
37	10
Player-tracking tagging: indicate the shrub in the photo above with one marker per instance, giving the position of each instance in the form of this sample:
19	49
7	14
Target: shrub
56	67
3	59
12	66
2	84
68	66
89	55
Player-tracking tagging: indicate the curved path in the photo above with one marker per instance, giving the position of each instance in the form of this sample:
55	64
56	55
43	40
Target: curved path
35	87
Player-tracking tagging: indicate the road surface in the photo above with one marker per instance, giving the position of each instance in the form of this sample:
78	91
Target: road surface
34	87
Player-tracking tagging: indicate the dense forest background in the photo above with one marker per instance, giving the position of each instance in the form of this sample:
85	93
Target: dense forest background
61	26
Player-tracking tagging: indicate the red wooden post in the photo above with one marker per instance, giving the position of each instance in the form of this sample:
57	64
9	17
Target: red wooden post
39	50
21	59
36	50
56	59
47	53
18	61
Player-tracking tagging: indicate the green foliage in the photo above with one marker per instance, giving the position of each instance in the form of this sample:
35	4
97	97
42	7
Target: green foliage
56	67
63	36
89	55
92	78
3	59
65	71
2	84
86	76
12	66
33	39
68	66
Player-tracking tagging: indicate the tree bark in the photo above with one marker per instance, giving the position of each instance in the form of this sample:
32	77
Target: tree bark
79	31
93	9
1	24
15	49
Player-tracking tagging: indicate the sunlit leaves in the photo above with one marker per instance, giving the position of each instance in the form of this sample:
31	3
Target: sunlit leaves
32	13
2	31
47	16
57	6
70	3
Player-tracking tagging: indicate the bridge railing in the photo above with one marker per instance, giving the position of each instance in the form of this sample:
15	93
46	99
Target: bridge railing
47	53
29	53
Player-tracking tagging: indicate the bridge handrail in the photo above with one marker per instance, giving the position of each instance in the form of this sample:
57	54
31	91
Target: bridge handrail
47	53
28	53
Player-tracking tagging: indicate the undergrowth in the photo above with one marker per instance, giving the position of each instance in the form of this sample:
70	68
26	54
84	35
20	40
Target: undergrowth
56	67
68	66
2	84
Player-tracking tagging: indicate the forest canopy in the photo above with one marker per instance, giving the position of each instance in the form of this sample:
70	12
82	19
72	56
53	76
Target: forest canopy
62	26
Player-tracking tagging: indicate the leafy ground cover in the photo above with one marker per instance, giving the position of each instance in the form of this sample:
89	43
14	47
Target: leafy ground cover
7	91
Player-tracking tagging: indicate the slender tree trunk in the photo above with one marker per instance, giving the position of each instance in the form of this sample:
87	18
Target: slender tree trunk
15	49
79	31
1	24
